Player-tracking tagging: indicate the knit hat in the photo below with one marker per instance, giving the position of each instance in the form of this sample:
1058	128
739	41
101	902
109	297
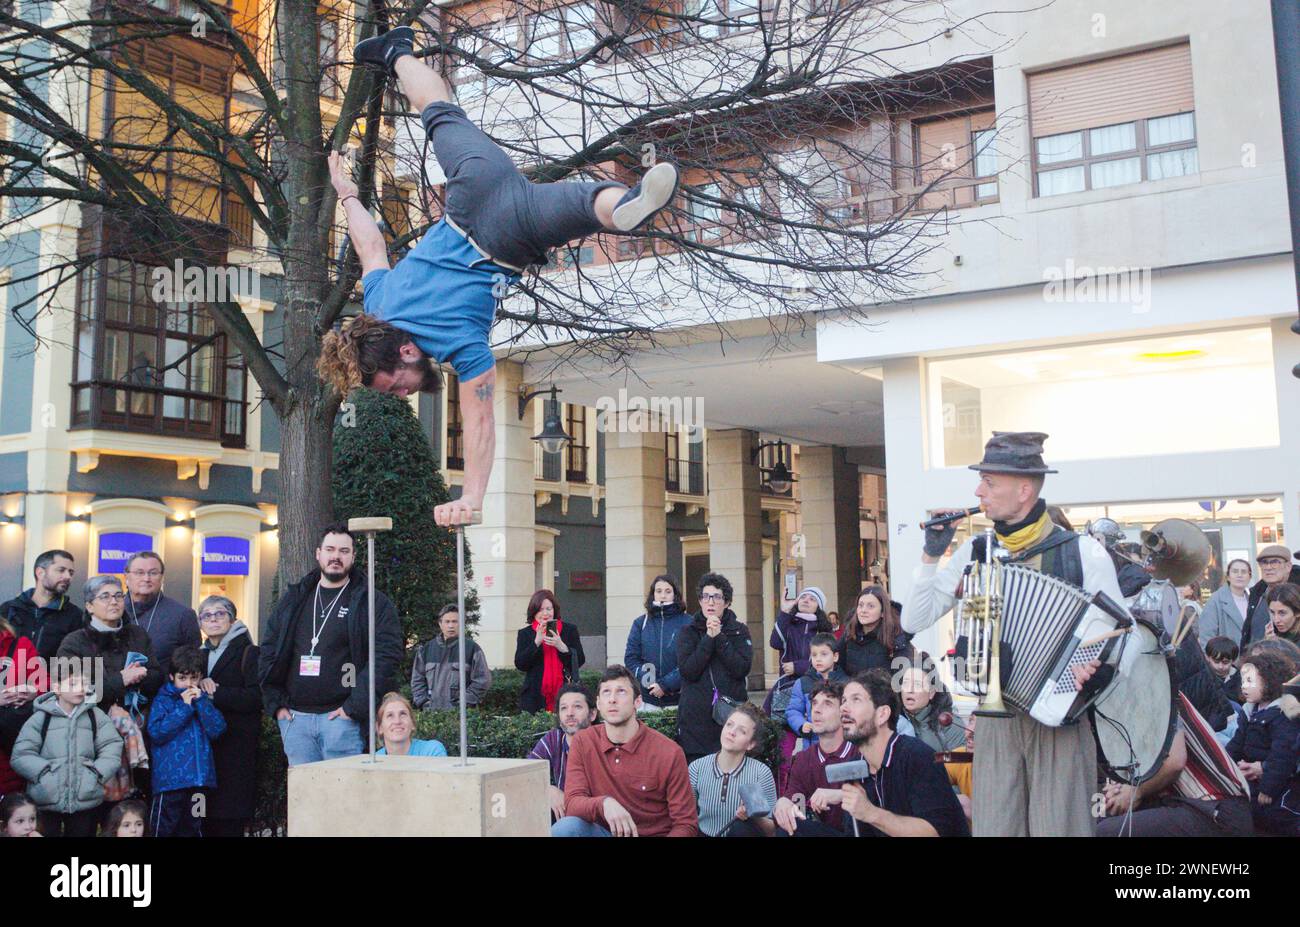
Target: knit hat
816	593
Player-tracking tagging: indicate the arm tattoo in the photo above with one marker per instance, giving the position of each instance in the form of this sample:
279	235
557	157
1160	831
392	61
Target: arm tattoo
483	392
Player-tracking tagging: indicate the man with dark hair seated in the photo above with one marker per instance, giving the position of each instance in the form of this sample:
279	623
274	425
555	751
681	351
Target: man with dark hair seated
624	779
575	710
907	793
809	801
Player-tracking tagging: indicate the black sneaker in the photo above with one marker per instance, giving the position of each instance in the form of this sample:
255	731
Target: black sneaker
381	52
653	193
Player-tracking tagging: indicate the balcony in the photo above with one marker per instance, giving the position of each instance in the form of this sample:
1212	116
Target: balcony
684	476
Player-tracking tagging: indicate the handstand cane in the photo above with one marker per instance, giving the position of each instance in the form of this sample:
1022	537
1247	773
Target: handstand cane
476	519
368	527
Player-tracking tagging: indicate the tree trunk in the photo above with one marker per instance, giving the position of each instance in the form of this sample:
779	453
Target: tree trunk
306	505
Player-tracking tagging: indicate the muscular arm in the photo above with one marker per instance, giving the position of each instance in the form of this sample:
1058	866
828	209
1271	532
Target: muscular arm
476	407
362	229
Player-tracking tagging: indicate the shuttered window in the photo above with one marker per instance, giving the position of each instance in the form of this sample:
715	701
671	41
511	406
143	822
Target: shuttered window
1117	121
955	154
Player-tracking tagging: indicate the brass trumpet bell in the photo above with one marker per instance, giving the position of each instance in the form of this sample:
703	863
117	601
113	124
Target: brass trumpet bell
1178	549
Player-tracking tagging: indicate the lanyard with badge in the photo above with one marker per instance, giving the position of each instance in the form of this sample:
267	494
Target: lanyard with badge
309	664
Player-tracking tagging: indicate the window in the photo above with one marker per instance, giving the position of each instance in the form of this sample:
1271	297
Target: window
1117	121
151	366
545	35
1226	376
706	216
575	423
957	159
575	257
1110	156
562	33
455	425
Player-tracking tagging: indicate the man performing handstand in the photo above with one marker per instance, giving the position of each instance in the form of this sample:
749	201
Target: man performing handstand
439	302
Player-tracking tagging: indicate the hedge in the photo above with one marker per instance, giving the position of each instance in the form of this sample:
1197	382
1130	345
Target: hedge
510	734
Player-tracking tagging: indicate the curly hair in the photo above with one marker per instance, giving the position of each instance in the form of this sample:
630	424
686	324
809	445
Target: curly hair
362	347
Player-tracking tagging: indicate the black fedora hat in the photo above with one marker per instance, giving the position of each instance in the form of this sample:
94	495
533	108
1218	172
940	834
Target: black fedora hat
1014	452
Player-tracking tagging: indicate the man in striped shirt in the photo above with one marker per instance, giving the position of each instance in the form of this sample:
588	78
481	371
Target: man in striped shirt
1197	792
575	710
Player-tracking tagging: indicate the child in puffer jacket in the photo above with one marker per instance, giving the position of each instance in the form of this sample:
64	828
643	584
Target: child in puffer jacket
1267	746
182	725
66	751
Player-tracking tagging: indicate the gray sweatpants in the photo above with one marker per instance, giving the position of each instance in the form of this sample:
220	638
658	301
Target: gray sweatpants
513	220
1031	780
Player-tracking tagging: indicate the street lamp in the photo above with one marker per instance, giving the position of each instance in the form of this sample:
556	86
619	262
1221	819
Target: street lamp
552	437
779	479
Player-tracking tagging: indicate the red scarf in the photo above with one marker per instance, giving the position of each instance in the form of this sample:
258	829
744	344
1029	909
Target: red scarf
552	669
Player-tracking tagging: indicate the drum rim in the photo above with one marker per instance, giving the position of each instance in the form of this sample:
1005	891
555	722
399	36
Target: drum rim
1162	638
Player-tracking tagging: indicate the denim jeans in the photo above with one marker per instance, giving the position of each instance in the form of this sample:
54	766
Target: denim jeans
513	220
571	826
311	738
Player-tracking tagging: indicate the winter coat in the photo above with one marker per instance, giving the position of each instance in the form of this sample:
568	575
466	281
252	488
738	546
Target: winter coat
68	760
531	661
1272	738
169	625
181	738
652	641
864	652
791	638
1220	617
720	663
276	653
45	627
113	648
951	737
234	754
26	669
1257	618
435	674
1195	678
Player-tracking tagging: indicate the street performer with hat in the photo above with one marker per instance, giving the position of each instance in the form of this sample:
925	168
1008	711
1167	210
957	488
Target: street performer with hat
1029	779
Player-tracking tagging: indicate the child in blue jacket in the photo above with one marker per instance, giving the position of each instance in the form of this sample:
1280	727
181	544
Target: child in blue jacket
182	725
1267	746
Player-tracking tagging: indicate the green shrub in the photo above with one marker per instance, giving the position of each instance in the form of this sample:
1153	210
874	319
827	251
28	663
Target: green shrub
502	697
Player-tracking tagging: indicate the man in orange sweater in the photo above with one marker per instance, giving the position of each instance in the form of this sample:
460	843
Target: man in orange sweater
624	779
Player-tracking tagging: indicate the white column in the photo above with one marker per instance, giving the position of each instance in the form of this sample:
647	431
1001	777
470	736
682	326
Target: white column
636	529
503	546
1286	354
828	502
735	529
906	467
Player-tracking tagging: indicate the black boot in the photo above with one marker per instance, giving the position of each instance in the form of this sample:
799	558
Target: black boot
381	52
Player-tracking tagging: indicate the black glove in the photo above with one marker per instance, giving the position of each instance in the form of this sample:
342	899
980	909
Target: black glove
938	538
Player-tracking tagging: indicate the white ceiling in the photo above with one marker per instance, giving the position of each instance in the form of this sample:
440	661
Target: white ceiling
737	383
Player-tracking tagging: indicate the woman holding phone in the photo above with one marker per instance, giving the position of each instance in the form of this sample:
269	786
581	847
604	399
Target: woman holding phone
548	651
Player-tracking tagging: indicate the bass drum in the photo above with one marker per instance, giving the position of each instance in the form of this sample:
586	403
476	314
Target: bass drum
1135	718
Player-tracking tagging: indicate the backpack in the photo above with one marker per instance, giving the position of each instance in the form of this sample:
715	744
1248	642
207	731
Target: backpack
45	727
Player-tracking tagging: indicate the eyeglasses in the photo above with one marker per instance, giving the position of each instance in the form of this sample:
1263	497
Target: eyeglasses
214	616
110	597
1273	561
152	574
712	597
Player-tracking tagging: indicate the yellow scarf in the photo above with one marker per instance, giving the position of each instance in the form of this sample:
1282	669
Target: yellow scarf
1027	536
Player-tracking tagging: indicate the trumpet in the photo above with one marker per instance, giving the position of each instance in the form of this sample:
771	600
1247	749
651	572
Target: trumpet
979	620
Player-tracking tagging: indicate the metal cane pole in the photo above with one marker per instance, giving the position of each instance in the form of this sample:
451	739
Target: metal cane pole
460	641
369	526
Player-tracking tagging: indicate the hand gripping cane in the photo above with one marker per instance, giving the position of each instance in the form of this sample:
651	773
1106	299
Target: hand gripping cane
368	527
475	519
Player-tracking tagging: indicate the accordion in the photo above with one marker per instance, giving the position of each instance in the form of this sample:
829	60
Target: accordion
1046	627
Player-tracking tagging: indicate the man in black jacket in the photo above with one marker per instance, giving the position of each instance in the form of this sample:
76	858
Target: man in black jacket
314	661
44	614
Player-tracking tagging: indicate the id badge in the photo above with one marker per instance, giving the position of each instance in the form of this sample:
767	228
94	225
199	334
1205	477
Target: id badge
308	665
